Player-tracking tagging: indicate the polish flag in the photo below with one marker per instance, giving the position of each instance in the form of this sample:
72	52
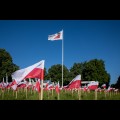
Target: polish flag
37	86
85	88
8	85
33	71
75	83
29	84
50	87
57	88
104	85
56	36
109	88
46	86
93	85
14	85
22	84
116	90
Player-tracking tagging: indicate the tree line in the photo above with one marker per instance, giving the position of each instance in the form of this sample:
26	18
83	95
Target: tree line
92	70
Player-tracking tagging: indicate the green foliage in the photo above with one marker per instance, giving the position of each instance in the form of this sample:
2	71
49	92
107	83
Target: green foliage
94	70
117	85
45	74
75	70
113	85
55	73
6	64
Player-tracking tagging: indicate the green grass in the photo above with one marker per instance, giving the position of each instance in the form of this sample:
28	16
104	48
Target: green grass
64	95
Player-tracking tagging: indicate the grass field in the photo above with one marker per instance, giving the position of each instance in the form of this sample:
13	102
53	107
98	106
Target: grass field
64	95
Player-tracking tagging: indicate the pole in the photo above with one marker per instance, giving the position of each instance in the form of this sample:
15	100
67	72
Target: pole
26	92
62	60
42	78
79	93
39	95
16	94
58	96
3	94
96	94
58	91
41	89
52	88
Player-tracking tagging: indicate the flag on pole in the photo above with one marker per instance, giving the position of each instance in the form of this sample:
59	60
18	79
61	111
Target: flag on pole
14	85
33	71
46	86
109	88
93	85
57	88
104	86
75	83
50	87
56	36
37	86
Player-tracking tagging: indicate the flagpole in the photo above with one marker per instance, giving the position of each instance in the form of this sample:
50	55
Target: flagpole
41	89
42	77
62	61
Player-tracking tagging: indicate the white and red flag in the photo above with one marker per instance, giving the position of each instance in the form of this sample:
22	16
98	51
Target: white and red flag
57	88
93	85
109	89
33	71
14	85
50	87
37	85
22	84
46	86
75	83
104	86
56	36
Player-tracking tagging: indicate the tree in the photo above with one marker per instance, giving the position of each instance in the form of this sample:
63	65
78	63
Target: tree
55	73
6	65
94	70
46	76
75	70
117	85
113	85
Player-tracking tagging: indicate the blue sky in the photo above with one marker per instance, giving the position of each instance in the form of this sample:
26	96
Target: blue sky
27	42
